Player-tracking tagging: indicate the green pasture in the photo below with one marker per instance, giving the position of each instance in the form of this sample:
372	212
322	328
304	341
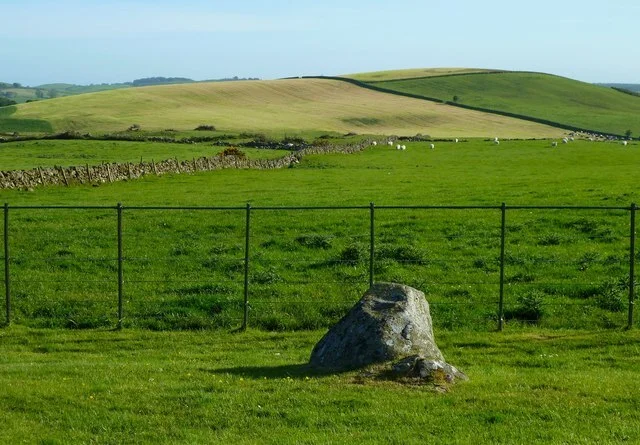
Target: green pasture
137	386
48	153
11	125
277	108
381	76
184	269
542	96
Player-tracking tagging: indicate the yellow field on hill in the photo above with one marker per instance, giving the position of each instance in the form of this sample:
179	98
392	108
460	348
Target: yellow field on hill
412	73
273	107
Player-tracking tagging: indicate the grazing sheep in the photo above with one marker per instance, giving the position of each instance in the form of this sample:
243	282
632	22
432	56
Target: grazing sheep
624	143
432	146
565	140
571	138
554	144
398	147
404	147
390	143
456	140
495	139
375	143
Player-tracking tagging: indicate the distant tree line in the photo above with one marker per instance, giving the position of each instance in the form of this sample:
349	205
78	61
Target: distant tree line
627	91
228	79
173	80
5	102
160	81
622	86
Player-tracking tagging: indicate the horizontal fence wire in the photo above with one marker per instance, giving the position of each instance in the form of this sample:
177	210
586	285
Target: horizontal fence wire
175	267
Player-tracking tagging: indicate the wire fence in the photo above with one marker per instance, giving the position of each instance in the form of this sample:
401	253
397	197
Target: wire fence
276	268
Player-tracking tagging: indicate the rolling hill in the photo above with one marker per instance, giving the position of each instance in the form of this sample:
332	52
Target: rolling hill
534	95
381	76
279	106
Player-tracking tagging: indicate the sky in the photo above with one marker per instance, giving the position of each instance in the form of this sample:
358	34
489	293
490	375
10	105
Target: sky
112	41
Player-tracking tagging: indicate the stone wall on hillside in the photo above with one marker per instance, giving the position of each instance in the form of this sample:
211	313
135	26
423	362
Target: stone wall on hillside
112	172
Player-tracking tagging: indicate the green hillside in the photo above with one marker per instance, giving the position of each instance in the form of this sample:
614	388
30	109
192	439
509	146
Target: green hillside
540	96
380	76
275	107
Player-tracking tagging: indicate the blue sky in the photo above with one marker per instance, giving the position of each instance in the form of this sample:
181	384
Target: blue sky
116	41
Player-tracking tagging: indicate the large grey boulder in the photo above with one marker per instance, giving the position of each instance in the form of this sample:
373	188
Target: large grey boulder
390	321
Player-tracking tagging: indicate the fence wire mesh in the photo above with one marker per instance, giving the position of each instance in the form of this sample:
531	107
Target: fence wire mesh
304	267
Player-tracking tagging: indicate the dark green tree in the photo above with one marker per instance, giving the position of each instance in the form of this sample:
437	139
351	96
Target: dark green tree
4	102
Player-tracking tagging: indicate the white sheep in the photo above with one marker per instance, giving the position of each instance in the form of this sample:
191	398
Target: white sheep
565	140
624	143
432	146
554	144
571	139
404	147
398	147
456	140
390	143
495	139
496	142
375	143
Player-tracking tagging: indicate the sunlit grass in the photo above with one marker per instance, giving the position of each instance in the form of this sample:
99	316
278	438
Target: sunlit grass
541	96
184	269
138	386
275	107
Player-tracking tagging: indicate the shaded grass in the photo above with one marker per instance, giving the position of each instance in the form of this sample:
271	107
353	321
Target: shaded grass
12	124
99	386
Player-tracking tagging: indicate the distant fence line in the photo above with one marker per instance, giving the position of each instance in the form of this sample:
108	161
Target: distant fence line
113	172
370	209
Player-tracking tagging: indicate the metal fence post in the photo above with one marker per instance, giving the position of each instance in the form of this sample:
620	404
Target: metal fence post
120	266
632	263
503	210
245	319
372	243
7	283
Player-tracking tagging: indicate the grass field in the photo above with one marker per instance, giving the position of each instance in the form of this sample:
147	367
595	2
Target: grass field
195	382
184	269
48	153
541	96
282	107
379	76
531	386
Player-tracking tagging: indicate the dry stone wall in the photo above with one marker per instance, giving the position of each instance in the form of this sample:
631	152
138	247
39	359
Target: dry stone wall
112	172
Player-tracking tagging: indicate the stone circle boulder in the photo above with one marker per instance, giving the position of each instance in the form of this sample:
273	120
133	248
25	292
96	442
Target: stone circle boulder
391	322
